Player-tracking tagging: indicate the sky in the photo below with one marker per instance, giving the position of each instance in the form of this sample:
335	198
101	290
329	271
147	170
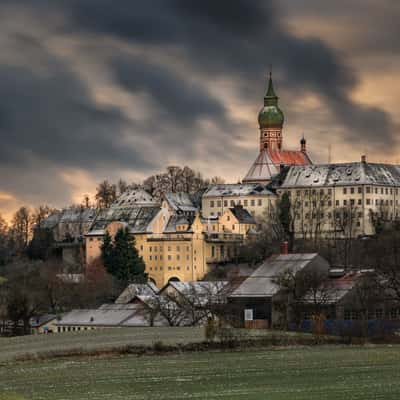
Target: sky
102	89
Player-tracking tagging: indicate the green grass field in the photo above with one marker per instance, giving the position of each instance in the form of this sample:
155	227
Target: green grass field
322	372
10	348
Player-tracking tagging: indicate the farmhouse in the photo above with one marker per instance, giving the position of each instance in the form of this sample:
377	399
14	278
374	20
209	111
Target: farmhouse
254	298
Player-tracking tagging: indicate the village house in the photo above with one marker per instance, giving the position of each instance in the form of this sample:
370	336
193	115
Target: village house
254	298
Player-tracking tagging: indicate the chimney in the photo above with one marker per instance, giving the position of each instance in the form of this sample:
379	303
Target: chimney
363	158
284	247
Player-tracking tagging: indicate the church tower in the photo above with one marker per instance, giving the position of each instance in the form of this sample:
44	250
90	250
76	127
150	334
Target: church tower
270	120
272	155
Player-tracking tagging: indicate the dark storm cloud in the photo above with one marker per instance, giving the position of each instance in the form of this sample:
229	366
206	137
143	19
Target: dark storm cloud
174	95
47	113
240	39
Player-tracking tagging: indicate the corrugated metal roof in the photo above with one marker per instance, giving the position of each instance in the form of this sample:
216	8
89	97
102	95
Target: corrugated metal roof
261	282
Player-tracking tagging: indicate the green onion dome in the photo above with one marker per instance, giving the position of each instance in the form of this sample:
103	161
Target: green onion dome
270	115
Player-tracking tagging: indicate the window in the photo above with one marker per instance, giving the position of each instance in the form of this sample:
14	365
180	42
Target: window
178	248
233	227
219	203
345	202
329	203
178	257
259	202
352	190
368	202
298	193
344	190
239	202
359	189
232	203
225	203
150	258
381	190
245	203
253	203
359	202
368	189
141	247
379	313
228	218
150	249
212	203
347	314
169	257
337	203
386	191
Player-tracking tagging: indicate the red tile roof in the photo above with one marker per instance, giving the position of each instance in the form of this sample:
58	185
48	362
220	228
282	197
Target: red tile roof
290	157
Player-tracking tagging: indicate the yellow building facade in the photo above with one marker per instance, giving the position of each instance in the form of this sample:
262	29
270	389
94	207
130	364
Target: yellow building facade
176	246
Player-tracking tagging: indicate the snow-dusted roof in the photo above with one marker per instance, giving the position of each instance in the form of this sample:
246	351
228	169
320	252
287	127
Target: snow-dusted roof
52	220
180	202
134	197
200	291
261	282
175	220
137	218
135	289
97	317
78	214
70	215
357	173
239	189
335	288
262	170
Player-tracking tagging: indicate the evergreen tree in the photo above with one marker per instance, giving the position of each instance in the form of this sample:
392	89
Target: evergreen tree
121	258
285	218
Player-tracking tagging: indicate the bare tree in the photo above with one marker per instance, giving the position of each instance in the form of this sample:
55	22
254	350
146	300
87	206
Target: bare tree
106	193
21	228
345	223
300	292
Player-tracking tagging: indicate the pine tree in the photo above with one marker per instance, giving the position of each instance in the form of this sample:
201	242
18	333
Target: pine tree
285	218
121	258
